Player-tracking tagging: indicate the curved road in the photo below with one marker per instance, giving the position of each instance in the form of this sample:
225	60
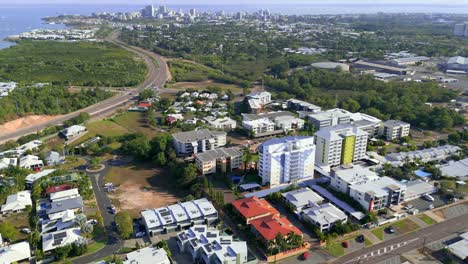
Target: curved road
157	75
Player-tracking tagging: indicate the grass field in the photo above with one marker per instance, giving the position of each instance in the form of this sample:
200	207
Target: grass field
102	127
135	122
204	85
427	219
335	249
71	63
20	220
71	163
367	242
402	226
378	232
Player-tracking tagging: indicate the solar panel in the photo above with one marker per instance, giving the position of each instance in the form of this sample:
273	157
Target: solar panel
60	235
208	248
200	229
209	234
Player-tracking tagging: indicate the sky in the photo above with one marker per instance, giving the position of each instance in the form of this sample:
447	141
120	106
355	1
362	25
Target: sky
237	2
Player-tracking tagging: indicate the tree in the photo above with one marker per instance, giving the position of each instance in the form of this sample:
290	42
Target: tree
147	93
160	159
95	161
61	253
8	231
124	224
163	244
189	173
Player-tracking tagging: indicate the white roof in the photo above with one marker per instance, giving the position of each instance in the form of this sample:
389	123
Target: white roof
337	132
258	122
75	129
460	248
302	197
29	160
361	116
192	210
223	121
62	195
332	113
325	214
147	255
31	178
6	162
355	174
178	212
15	252
64	215
151	219
205	206
378	187
455	169
60	238
458	60
17	201
258	95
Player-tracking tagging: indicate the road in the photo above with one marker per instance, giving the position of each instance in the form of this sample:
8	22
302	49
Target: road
405	243
157	75
113	243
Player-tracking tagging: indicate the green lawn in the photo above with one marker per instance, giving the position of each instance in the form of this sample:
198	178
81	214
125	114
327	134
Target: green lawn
402	226
378	232
102	127
71	63
367	242
19	221
135	122
335	249
427	219
96	246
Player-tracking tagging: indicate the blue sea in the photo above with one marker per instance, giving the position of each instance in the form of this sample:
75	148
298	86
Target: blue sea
15	19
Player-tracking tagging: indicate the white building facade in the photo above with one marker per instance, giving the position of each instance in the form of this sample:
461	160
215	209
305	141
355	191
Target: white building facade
192	142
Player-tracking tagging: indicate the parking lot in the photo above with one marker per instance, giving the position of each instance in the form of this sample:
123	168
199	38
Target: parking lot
423	204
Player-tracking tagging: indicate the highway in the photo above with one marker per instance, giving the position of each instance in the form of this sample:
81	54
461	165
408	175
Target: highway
405	243
157	75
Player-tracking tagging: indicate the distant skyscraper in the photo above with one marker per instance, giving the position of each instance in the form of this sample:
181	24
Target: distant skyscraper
461	30
193	12
239	15
162	9
148	11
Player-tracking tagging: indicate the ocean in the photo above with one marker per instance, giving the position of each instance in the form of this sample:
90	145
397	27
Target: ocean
15	19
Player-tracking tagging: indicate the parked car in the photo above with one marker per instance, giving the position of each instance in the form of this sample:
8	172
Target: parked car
390	230
408	207
428	197
140	234
345	244
430	207
305	256
92	221
360	239
26	230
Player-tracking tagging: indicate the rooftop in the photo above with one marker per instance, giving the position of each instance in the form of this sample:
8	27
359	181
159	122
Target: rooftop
17	201
270	226
354	174
324	214
60	238
332	113
455	168
15	252
458	60
31	178
298	140
269	115
394	123
147	255
378	187
302	197
220	153
58	206
253	207
197	135
339	131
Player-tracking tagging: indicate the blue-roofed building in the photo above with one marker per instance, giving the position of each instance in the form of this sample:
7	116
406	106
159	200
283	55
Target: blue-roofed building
422	174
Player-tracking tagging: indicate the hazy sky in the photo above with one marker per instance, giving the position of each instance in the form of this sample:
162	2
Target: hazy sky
235	2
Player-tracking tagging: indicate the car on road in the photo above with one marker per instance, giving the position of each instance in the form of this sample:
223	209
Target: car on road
428	197
390	230
345	244
26	230
112	209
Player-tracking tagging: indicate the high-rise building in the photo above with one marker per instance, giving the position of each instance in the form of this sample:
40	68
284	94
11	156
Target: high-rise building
461	30
193	142
288	159
341	144
148	11
193	12
394	129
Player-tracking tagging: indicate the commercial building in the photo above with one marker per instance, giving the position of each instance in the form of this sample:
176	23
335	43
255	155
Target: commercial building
14	253
285	160
302	198
31	162
267	228
342	177
457	65
381	67
299	105
207	245
17	202
418	188
220	160
147	255
394	129
323	216
327	65
193	142
176	216
342	144
252	208
377	194
330	118
73	131
409	60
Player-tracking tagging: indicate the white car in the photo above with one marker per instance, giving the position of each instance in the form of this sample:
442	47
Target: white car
140	234
428	197
26	230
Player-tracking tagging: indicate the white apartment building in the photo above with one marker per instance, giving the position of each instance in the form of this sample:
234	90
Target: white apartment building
177	216
302	198
377	194
299	105
343	177
262	98
323	216
341	144
288	123
218	160
330	118
288	159
207	245
224	123
192	142
259	126
394	129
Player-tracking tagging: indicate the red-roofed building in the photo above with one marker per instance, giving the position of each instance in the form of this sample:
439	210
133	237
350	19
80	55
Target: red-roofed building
58	188
145	104
253	208
268	227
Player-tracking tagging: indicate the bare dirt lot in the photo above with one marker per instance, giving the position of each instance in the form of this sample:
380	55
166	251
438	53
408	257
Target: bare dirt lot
23	122
141	187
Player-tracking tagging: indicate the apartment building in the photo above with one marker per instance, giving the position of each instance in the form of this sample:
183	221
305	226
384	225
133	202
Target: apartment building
177	216
256	101
323	216
299	105
284	160
193	142
220	160
343	177
394	129
302	198
260	126
288	123
341	144
330	118
252	208
207	245
378	194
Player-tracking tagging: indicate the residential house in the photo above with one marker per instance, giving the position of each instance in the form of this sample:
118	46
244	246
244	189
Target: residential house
224	123
53	158
17	202
31	162
14	253
33	177
73	131
7	162
267	228
301	198
252	208
51	241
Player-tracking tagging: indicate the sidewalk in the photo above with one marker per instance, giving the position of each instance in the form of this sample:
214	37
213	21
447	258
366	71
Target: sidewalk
368	234
418	221
434	216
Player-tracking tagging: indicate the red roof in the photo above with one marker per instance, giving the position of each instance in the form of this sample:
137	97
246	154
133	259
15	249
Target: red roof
269	227
58	188
253	206
145	104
